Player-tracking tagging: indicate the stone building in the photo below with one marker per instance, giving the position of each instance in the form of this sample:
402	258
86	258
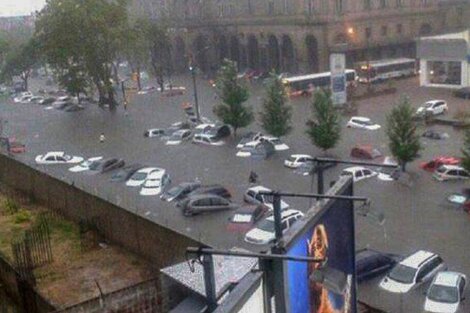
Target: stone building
297	36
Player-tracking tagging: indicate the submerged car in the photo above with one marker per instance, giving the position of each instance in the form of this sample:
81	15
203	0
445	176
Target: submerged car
445	292
246	217
180	191
155	183
414	270
434	134
261	151
178	137
104	166
433	107
371	263
365	152
451	172
263	233
362	123
253	195
205	203
298	160
358	173
85	165
250	136
437	162
126	172
57	157
140	176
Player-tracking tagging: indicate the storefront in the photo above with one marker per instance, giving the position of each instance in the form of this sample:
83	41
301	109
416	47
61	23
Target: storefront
444	60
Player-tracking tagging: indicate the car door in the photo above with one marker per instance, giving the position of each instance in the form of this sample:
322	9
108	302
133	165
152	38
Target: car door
452	174
50	159
463	174
60	159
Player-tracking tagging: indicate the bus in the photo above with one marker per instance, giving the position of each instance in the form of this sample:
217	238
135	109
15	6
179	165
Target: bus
381	70
305	85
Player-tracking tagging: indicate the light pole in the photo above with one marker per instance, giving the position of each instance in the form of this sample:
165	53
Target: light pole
196	102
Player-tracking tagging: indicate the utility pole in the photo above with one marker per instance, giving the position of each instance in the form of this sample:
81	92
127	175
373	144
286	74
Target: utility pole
196	102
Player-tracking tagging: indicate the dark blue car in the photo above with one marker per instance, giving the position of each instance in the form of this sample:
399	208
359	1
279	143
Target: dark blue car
371	263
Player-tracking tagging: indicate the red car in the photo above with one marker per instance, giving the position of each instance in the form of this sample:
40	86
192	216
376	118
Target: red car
434	164
246	217
366	152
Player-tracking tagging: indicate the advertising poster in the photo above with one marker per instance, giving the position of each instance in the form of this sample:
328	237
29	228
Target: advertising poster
332	239
338	78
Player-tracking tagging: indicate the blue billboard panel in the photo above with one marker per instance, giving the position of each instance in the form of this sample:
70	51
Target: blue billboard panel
326	287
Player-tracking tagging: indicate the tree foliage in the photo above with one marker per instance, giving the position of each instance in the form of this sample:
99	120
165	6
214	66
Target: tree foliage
324	128
466	151
232	111
83	37
21	61
404	142
276	114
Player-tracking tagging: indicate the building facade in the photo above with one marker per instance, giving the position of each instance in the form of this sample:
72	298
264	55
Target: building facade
297	36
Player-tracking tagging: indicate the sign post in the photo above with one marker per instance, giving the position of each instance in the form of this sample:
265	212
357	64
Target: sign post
338	78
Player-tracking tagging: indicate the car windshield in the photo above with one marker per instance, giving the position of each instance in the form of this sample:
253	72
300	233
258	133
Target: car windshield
403	274
175	191
291	159
276	141
242	218
368	123
346	173
139	176
444	294
67	157
441	169
94	165
428	105
266	225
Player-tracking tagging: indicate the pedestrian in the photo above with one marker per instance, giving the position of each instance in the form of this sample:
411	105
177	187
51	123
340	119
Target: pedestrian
102	138
253	178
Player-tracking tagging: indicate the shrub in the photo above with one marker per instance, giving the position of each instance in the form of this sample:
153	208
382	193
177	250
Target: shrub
11	206
22	216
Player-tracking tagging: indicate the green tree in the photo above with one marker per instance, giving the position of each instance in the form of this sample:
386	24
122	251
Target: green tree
466	151
276	114
324	128
404	142
158	48
232	111
87	35
21	62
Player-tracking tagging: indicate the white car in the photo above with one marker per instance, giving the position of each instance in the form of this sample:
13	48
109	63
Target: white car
22	99
154	132
178	137
248	138
298	160
276	142
264	233
203	128
445	292
434	107
139	177
417	268
57	157
207	139
85	165
253	196
450	172
362	123
155	183
358	173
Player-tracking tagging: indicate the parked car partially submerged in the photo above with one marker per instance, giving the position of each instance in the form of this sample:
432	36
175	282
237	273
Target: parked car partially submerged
371	263
366	152
437	162
246	217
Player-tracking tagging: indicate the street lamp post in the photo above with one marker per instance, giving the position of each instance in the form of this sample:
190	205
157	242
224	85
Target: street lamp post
196	102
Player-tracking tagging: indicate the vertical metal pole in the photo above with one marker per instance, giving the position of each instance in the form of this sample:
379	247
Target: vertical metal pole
320	182
193	74
277	217
209	282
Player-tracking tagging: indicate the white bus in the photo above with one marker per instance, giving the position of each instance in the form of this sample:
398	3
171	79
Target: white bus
380	70
306	85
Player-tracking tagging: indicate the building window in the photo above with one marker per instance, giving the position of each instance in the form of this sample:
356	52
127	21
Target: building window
384	30
367	5
270	7
339	6
382	4
368	32
399	29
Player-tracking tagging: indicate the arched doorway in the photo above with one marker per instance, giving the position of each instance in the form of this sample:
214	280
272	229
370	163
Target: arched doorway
253	52
235	50
425	29
273	53
199	53
312	53
288	54
181	62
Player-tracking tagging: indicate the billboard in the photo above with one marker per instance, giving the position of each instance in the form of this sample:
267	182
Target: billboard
327	287
338	78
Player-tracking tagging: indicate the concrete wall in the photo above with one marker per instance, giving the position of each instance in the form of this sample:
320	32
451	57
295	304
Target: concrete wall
159	245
